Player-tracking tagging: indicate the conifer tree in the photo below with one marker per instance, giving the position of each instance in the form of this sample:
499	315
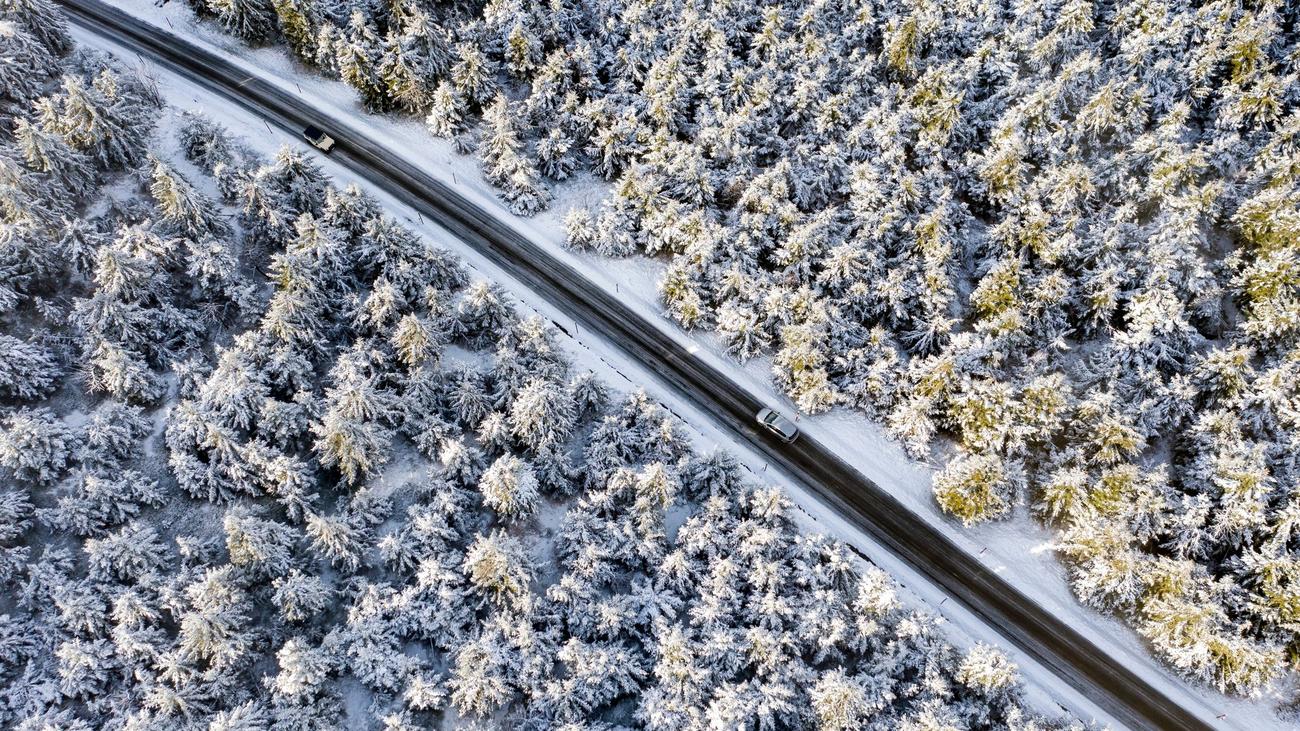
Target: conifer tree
252	20
47	152
357	56
30	62
510	488
297	20
43	20
184	209
27	370
446	111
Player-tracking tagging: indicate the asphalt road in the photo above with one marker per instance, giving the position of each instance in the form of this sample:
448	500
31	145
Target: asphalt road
865	504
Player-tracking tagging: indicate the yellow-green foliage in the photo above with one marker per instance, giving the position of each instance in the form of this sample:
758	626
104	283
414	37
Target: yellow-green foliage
973	488
982	413
1064	496
1003	168
996	300
1044	402
679	295
1111	494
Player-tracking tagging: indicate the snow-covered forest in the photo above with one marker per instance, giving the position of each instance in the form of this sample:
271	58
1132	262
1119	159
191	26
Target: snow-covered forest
1052	245
270	460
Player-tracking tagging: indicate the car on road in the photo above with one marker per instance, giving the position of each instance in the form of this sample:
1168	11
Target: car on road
318	139
783	428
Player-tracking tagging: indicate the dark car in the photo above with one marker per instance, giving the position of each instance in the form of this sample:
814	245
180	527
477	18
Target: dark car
318	139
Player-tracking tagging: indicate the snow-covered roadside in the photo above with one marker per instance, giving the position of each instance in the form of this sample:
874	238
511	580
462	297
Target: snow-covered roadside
1018	549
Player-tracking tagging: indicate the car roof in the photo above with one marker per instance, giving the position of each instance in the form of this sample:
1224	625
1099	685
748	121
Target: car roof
778	420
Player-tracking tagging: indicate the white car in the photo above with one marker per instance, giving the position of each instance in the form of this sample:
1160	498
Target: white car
783	428
318	139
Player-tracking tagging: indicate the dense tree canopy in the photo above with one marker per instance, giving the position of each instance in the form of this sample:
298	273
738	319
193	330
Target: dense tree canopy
270	460
1052	244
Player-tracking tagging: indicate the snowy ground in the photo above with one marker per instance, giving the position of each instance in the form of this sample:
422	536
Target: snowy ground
1018	549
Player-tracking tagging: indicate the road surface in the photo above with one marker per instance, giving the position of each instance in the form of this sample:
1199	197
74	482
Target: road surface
1047	639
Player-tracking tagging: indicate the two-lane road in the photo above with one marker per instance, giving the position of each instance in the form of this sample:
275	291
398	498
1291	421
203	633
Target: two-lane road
1052	643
